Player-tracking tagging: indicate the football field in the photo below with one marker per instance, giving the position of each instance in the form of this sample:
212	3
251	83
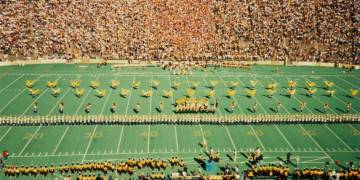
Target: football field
44	145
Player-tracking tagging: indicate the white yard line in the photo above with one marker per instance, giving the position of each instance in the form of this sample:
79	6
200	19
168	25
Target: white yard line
11	100
316	98
237	102
231	139
332	160
287	141
202	132
167	75
88	146
277	128
82	102
215	94
119	142
150	108
332	132
15	97
7	131
176	138
306	107
149	134
10	84
28	142
163	152
38	98
53	108
316	159
172	112
342	89
61	139
311	136
131	92
351	84
148	142
67	127
62	97
257	137
107	97
352	127
172	97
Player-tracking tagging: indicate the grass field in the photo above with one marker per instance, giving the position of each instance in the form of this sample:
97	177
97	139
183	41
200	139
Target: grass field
314	143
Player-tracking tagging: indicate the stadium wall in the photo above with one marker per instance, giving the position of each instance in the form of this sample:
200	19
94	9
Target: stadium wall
125	62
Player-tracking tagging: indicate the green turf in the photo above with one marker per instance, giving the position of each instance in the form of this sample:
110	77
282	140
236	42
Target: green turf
314	143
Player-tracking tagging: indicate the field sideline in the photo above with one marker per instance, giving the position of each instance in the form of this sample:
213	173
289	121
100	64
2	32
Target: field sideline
43	145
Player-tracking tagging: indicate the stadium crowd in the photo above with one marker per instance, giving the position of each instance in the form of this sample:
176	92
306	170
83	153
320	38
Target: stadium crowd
323	31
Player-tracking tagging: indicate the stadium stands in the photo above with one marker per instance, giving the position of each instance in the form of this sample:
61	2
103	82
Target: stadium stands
322	31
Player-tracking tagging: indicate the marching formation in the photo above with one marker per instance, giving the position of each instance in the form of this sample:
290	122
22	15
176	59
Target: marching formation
189	103
177	119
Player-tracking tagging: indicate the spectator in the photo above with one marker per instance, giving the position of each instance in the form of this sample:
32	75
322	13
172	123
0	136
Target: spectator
322	31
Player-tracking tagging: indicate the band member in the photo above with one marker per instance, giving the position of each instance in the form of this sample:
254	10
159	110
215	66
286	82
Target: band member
302	106
161	106
254	107
35	107
113	107
348	107
326	107
278	105
232	106
61	107
88	107
137	107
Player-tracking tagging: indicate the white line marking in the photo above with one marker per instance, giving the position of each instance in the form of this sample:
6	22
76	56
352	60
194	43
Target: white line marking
277	128
156	153
7	131
202	132
82	102
353	127
28	142
257	137
332	160
15	97
131	92
37	98
323	151
316	98
52	109
352	85
148	142
316	159
231	139
338	137
61	139
292	148
238	104
88	146
176	139
107	98
10	84
118	146
151	96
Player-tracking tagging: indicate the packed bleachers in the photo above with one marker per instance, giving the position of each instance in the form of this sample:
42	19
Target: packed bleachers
322	31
